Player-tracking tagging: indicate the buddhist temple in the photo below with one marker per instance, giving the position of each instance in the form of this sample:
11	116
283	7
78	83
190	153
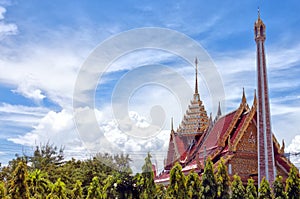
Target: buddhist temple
243	137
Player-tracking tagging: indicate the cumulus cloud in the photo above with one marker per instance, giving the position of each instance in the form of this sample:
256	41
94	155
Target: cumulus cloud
294	150
59	128
295	145
54	126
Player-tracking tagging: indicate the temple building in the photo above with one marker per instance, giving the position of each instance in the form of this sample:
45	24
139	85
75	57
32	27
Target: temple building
243	137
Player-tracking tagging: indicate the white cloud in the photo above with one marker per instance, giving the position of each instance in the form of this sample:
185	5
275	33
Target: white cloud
295	145
294	150
6	28
54	127
2	12
28	88
21	116
59	128
44	72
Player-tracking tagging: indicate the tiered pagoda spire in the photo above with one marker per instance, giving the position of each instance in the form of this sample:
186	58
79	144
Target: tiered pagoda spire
266	163
195	121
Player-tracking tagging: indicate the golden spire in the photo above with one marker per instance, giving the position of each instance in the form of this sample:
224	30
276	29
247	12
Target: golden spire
244	100
196	79
219	113
255	99
172	127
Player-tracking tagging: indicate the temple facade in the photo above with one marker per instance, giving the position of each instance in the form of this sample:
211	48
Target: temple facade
243	137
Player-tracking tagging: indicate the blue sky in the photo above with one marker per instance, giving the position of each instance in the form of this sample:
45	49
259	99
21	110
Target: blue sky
43	45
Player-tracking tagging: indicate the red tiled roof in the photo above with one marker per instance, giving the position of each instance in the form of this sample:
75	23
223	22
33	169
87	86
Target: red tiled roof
218	131
180	145
163	177
237	131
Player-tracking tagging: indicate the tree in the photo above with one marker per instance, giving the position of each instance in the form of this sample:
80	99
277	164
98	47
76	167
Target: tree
209	184
124	184
76	192
94	190
251	192
147	179
2	190
193	185
237	188
222	181
293	184
161	191
38	184
177	188
18	184
58	190
47	158
264	191
278	188
109	187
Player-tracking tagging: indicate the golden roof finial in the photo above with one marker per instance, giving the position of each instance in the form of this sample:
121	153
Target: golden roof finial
244	100
255	98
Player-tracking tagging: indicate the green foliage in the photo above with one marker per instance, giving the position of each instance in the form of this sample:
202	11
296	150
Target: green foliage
6	173
94	190
2	190
146	180
209	184
278	188
177	186
293	184
264	191
110	187
161	191
222	181
18	185
76	192
58	190
237	188
106	176
124	184
193	185
38	184
251	192
47	158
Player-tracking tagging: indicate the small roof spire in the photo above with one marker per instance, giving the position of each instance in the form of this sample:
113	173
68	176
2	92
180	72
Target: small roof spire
255	98
244	100
219	113
172	127
196	73
258	13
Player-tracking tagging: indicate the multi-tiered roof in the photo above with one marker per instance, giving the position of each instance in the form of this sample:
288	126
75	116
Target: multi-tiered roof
195	121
